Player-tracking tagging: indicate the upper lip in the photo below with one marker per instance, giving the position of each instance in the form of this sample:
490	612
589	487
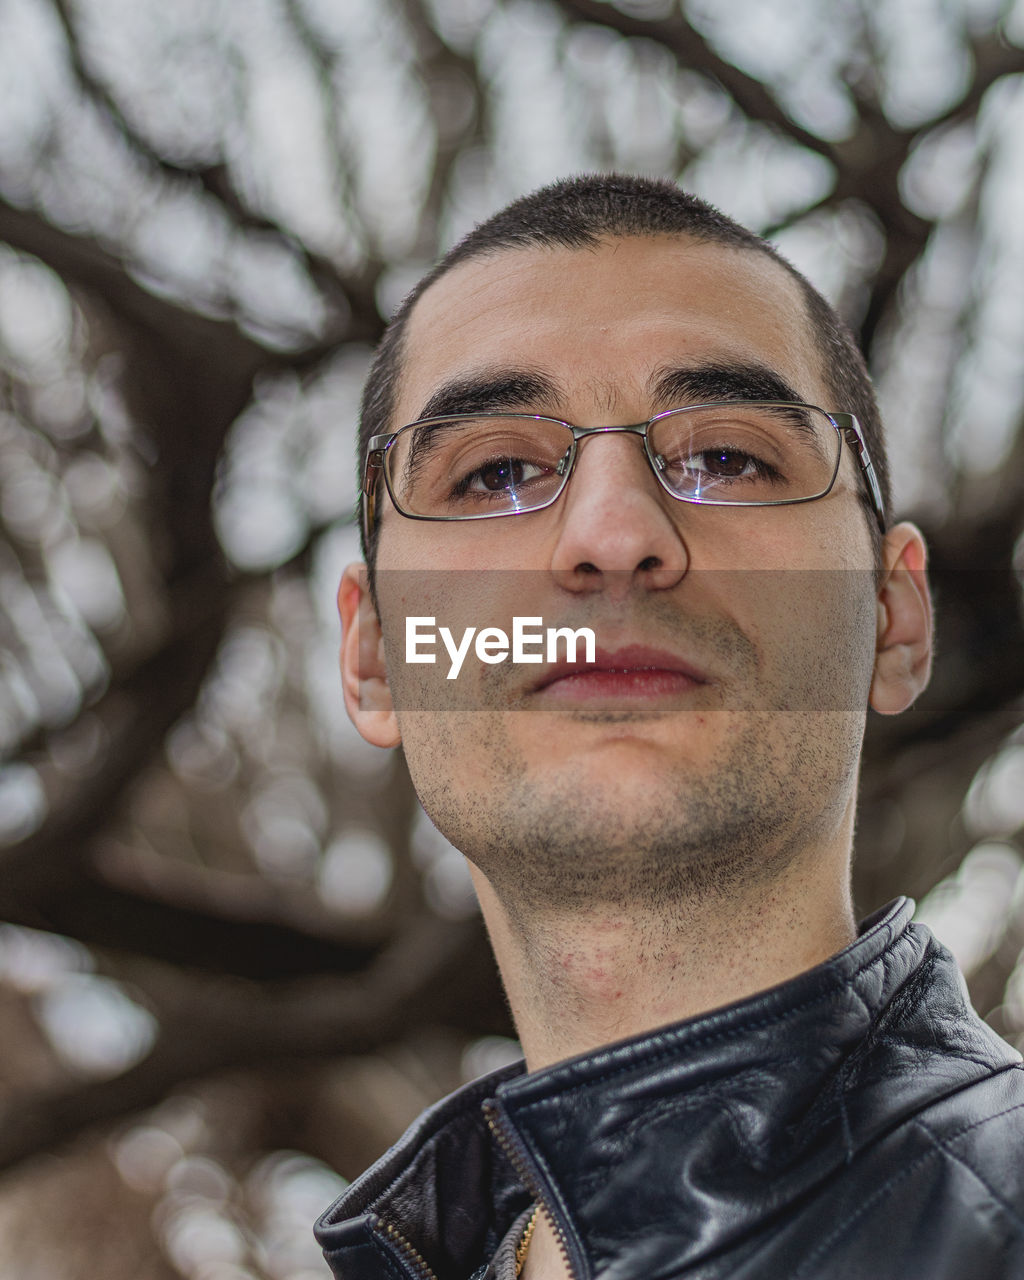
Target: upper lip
631	657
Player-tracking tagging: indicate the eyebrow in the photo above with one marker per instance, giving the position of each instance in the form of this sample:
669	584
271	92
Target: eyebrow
669	387
511	389
673	387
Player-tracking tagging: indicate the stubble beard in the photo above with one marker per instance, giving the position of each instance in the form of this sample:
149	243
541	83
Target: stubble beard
554	843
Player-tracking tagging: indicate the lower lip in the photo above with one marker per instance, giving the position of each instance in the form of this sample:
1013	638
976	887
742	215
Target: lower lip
645	682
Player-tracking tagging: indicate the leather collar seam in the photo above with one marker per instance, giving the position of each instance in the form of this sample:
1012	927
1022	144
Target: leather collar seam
712	1037
974	1124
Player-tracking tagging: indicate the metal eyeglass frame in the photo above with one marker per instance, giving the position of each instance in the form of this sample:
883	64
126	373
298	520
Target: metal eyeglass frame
846	426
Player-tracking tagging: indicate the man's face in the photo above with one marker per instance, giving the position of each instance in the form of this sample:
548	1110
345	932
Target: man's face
746	636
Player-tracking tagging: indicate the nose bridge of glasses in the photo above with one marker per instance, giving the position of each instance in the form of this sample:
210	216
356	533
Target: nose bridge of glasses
580	434
623	428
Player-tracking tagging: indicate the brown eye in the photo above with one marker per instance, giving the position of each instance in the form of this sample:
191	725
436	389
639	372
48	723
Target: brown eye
500	475
724	462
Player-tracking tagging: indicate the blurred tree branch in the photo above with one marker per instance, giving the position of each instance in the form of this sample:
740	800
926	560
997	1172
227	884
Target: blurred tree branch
87	264
693	53
353	299
209	1027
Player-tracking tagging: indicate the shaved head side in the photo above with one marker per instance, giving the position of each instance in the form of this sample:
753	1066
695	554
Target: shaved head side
577	213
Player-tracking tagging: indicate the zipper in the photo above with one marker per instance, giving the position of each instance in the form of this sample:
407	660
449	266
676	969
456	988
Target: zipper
512	1145
410	1253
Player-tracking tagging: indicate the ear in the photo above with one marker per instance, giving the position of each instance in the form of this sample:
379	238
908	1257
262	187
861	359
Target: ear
364	676
903	648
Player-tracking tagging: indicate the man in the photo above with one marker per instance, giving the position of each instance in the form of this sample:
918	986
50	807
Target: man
639	419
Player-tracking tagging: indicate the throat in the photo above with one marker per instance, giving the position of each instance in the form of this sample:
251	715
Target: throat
588	983
579	980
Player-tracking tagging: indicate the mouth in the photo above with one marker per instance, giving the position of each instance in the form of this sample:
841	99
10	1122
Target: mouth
633	672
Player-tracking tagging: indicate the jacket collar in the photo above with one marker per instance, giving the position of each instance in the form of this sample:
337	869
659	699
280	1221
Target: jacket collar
670	1146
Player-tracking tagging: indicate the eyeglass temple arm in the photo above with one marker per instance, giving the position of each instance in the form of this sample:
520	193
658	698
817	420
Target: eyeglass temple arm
850	429
371	479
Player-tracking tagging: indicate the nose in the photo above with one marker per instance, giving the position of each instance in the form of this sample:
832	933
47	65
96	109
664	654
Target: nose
616	531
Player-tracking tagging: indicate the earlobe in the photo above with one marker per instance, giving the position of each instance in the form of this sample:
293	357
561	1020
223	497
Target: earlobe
903	652
364	674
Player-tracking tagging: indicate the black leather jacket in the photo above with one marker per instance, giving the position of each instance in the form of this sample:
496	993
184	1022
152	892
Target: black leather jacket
859	1122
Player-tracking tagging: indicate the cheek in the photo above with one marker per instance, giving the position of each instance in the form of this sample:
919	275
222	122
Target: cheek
405	545
400	542
461	766
829	534
817	630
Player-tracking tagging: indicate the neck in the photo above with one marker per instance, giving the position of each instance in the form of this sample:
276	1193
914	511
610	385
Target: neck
581	979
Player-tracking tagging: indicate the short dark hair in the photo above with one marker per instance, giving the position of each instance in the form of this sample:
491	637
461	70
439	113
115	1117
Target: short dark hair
577	213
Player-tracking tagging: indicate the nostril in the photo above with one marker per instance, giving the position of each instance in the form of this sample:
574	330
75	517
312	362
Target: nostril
649	562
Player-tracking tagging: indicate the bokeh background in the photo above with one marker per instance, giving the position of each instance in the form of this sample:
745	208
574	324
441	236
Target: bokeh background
236	958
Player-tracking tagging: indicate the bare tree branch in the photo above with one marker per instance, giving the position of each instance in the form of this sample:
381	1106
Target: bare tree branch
353	298
694	53
201	918
993	59
441	67
439	974
156	694
85	262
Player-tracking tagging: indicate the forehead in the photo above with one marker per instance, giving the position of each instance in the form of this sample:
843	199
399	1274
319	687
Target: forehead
601	320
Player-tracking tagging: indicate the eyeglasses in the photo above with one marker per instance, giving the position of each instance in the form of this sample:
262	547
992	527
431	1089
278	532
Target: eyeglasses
477	466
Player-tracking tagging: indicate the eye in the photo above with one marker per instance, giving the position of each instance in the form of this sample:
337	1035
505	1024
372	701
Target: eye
499	475
717	465
724	463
